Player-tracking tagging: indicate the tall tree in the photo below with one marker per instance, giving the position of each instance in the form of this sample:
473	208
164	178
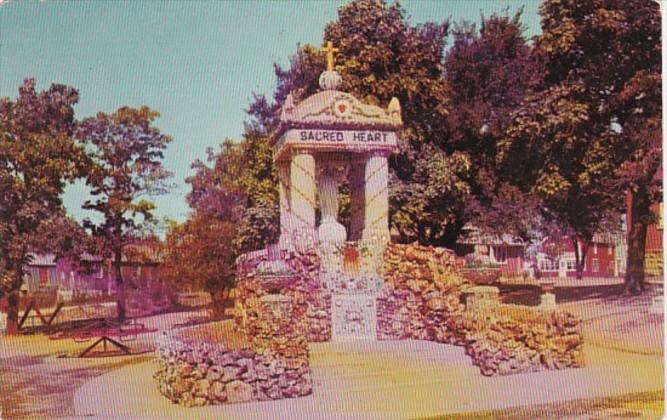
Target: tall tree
587	134
240	184
127	150
38	156
199	254
487	73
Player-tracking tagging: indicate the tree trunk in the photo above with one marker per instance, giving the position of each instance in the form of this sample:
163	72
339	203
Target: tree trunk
219	299
13	312
579	260
640	210
120	286
13	302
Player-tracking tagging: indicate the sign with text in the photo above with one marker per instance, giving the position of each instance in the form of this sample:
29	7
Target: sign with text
338	139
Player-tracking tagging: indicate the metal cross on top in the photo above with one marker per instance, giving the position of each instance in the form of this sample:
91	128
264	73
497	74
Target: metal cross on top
329	50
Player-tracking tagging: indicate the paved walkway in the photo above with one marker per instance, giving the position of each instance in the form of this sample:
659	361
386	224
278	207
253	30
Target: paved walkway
395	379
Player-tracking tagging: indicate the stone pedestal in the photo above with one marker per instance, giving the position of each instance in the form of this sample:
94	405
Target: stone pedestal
354	308
482	298
657	306
548	301
302	198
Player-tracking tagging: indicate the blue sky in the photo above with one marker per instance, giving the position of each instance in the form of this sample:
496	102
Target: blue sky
197	63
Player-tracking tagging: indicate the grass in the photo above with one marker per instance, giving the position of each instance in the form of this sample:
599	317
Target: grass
647	405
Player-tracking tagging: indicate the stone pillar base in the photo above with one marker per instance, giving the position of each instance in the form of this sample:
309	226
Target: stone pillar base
482	298
304	239
548	301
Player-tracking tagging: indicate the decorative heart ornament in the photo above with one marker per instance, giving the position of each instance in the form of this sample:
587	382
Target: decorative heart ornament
341	108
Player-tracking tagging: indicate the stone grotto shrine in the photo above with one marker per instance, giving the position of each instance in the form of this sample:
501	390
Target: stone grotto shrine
325	282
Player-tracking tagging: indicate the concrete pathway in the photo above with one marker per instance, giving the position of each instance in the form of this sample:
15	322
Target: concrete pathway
396	379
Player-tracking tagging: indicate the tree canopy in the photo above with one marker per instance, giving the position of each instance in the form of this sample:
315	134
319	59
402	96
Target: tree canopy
127	152
588	133
38	156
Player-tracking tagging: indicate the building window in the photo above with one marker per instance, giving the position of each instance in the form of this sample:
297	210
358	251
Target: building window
137	272
100	273
571	265
595	249
595	265
548	265
500	253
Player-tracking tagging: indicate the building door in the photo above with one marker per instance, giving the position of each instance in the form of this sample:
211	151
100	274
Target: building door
43	276
562	268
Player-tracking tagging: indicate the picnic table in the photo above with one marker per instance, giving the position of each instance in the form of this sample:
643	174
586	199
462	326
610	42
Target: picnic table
111	335
127	331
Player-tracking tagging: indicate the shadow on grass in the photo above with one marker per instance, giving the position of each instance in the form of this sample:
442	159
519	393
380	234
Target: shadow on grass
637	405
530	295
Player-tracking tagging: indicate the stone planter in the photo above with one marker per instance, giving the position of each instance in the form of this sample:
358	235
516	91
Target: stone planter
481	276
274	283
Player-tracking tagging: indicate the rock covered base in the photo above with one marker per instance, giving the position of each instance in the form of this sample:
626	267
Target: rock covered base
424	299
197	374
298	279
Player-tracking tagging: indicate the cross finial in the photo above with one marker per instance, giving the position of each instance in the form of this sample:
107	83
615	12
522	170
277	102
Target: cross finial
329	50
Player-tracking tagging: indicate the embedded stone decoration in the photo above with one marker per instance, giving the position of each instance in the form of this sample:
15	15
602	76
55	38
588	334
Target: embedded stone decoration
330	80
354	316
200	373
422	299
311	300
272	365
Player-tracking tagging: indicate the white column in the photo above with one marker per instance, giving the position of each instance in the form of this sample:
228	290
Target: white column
302	199
286	233
376	197
357	202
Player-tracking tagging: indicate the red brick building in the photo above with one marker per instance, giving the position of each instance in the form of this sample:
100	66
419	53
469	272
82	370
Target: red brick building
557	258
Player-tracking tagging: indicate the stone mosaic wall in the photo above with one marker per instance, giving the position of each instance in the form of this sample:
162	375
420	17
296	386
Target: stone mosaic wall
296	276
267	359
424	299
200	373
